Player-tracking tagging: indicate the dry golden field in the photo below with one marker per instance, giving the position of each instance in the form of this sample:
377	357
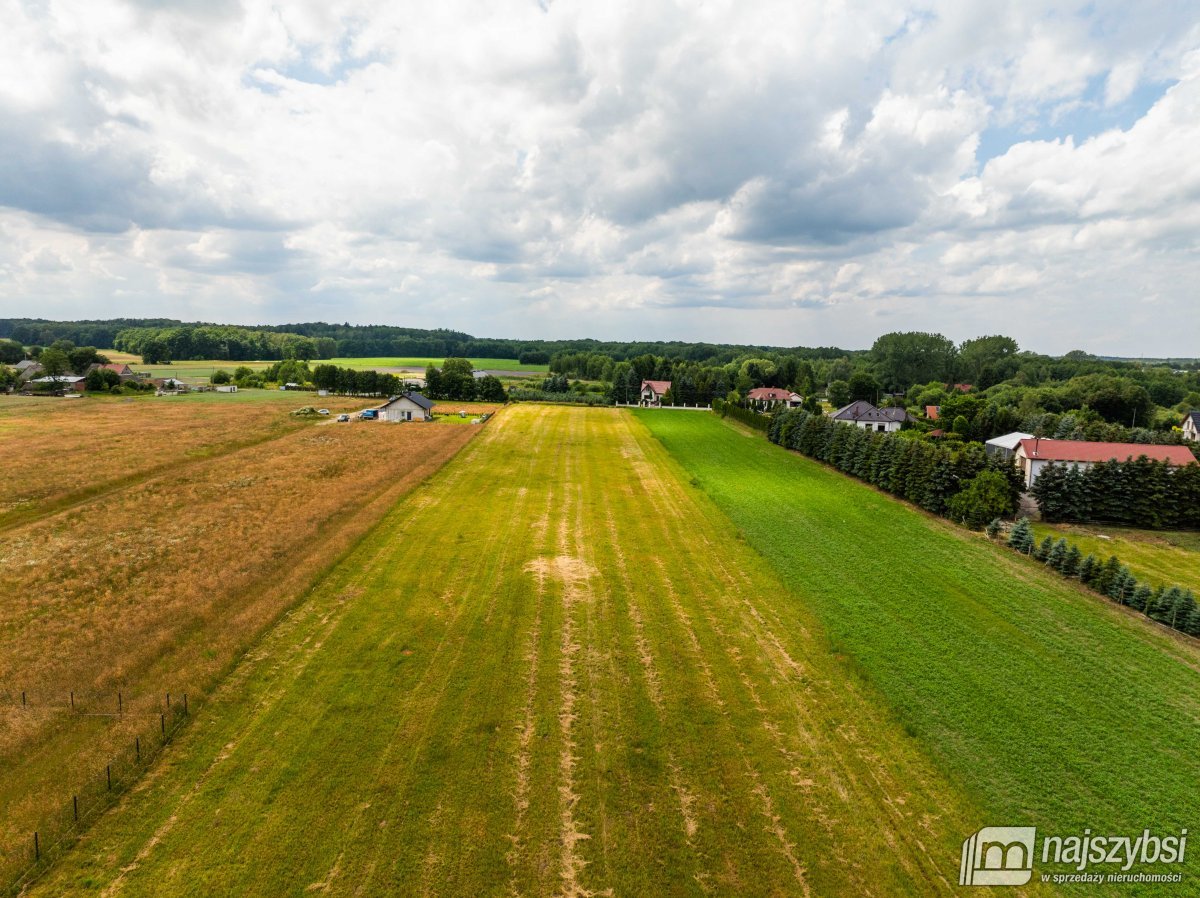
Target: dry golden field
158	582
59	450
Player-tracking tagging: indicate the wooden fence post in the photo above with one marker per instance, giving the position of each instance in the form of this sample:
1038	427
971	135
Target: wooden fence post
75	805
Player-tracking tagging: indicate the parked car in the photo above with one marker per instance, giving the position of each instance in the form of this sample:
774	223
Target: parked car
343	418
322	411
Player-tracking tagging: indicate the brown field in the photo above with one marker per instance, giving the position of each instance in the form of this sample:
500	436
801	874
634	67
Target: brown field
158	582
58	451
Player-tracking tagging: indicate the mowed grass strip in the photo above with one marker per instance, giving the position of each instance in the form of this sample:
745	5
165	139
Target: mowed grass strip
550	671
1047	704
1161	558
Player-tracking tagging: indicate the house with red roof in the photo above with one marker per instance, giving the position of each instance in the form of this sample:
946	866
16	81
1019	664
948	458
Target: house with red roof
1033	455
653	391
765	398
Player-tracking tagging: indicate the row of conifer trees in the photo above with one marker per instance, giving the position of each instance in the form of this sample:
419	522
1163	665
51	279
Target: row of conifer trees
1170	605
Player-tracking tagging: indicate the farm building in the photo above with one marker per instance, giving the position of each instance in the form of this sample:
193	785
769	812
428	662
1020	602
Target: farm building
1191	427
653	391
1033	455
862	414
62	381
770	397
406	407
27	369
1004	446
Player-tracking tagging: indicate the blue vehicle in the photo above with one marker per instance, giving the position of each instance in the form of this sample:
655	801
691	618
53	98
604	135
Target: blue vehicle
371	414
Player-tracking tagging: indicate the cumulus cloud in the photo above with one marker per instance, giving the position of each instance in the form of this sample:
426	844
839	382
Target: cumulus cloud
761	171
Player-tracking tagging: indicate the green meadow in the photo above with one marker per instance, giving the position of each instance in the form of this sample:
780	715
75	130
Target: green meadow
1045	703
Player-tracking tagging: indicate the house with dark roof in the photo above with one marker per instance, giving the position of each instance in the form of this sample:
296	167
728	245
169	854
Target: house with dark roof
861	413
765	398
653	391
1032	455
406	407
1191	426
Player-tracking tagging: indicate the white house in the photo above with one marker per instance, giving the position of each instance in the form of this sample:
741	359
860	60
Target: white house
769	397
653	391
406	407
1191	427
1033	455
1004	446
862	414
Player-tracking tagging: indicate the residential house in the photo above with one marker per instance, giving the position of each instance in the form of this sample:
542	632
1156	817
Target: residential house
406	407
862	414
122	370
1033	455
1191	427
962	388
653	391
1004	446
932	412
769	397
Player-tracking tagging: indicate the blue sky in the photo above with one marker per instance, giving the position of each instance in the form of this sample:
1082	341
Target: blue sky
765	172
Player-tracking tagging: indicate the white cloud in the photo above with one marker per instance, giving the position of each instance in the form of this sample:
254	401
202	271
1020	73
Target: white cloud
511	168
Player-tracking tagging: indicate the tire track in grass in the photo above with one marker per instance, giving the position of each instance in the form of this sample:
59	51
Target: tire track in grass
571	860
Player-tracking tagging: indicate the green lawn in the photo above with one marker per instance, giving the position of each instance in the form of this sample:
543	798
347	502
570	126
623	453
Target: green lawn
1047	704
550	671
1160	557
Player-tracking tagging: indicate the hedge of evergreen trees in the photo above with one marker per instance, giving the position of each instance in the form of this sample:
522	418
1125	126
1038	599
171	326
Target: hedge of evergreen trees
963	483
1170	605
746	416
1140	493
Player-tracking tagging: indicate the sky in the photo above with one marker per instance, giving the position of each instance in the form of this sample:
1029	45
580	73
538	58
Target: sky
791	173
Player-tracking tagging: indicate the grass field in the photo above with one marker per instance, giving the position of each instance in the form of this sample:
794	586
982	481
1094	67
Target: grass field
552	672
183	531
203	369
510	365
1161	558
1045	703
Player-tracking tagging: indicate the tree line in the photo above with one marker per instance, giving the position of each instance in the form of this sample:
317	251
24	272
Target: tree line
160	346
1170	605
1136	493
963	483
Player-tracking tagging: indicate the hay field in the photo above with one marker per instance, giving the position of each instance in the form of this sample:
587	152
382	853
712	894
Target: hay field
159	582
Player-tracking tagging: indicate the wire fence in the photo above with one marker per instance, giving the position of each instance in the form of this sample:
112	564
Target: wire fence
163	717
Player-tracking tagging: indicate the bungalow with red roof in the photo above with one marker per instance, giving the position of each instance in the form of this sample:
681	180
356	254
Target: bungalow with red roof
1034	454
653	391
769	397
